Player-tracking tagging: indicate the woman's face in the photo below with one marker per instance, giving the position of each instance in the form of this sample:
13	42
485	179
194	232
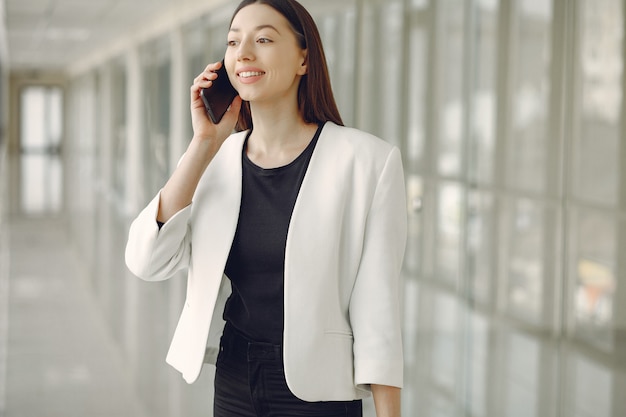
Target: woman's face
263	58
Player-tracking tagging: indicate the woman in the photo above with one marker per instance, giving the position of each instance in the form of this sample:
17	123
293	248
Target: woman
292	231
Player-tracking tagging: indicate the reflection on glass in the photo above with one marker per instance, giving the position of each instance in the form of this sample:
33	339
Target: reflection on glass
479	362
483	101
156	86
596	147
480	246
195	35
338	32
382	69
391	92
417	96
218	34
521	376
445	341
419	4
449	232
527	152
413	253
594	293
450	118
524	270
589	389
118	112
594	253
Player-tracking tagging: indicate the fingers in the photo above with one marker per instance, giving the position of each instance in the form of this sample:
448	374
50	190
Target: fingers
206	78
213	67
208	75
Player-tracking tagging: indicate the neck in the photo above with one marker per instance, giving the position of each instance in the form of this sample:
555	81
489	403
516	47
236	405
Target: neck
276	127
279	135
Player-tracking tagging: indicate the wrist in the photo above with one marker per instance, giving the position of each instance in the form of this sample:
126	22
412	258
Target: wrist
204	146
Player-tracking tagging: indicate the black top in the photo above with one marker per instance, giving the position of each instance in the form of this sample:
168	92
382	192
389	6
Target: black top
256	261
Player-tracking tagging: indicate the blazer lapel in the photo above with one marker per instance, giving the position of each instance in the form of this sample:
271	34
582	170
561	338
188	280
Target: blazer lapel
217	203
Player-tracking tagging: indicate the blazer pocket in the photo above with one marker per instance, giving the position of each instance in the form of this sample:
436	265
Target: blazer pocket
340	333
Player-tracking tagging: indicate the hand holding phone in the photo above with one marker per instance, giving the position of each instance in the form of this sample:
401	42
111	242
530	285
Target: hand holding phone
219	96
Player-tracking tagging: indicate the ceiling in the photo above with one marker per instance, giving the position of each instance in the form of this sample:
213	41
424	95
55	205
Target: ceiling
51	34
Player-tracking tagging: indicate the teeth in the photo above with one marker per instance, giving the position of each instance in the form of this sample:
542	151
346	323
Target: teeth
248	74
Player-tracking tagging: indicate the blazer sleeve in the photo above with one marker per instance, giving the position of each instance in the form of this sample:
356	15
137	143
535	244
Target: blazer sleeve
375	304
155	254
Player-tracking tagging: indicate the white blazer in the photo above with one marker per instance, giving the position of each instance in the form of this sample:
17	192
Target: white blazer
343	259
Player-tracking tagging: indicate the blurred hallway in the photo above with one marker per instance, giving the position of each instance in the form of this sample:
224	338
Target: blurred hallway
60	358
511	119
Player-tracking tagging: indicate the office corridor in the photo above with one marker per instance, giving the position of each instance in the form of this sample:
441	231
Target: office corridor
59	357
510	116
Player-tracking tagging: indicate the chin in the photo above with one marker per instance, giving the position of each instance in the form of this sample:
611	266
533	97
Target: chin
245	95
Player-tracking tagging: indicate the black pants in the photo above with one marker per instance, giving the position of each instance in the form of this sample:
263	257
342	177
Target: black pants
250	382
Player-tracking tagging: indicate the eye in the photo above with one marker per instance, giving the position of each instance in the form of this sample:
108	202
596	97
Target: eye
232	43
264	40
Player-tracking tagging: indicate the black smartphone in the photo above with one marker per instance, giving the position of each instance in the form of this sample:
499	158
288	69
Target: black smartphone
218	97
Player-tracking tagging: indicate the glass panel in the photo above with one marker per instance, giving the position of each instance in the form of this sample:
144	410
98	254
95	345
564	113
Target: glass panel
524	259
338	32
478	363
417	89
480	246
596	146
527	159
382	69
449	232
593	268
217	41
413	253
118	114
156	87
589	389
196	35
151	333
483	101
445	369
451	32
520	376
391	83
413	347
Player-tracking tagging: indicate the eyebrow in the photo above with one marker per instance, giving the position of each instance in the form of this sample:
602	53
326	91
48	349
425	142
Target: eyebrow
256	29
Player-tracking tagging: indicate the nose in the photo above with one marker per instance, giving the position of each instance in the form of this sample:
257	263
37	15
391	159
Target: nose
244	51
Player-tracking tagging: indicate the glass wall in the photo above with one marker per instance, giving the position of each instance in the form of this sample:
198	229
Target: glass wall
82	177
111	224
597	177
510	118
156	71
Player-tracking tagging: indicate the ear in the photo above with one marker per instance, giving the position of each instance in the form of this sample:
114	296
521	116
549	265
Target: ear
304	67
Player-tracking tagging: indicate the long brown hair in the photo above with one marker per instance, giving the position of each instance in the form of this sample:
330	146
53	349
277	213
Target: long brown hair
316	101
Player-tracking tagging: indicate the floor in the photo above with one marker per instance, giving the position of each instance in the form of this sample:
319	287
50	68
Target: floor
59	359
56	357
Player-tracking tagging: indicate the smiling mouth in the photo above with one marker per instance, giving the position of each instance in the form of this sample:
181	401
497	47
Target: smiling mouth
248	74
